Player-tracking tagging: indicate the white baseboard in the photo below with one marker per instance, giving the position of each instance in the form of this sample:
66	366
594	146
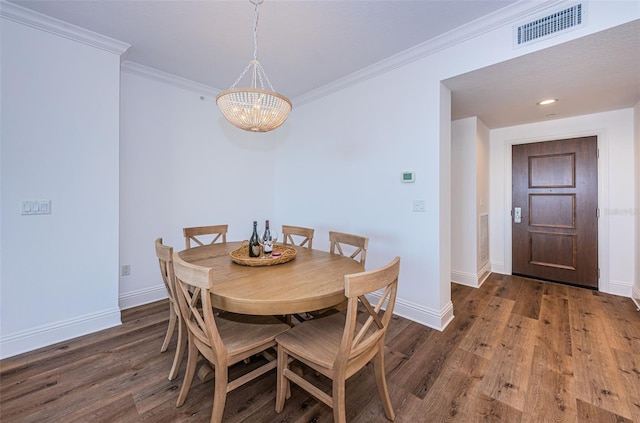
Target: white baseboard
471	279
142	296
624	289
484	273
635	295
498	267
42	336
435	319
464	278
429	317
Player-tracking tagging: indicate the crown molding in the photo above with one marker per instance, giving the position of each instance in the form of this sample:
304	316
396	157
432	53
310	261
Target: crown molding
36	20
508	15
167	78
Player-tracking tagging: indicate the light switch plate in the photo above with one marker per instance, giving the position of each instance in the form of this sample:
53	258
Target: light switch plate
31	207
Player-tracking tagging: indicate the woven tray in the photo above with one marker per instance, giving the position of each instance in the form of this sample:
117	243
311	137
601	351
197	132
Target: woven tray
241	256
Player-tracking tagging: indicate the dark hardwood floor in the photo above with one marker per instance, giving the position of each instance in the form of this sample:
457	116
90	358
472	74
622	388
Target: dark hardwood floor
518	350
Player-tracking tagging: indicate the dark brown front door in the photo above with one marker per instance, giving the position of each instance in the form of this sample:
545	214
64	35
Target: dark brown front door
554	211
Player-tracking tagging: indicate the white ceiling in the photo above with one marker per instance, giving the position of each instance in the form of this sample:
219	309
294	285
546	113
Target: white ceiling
305	45
596	73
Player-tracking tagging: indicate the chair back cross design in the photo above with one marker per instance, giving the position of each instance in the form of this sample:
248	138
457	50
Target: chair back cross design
297	235
353	246
197	235
364	337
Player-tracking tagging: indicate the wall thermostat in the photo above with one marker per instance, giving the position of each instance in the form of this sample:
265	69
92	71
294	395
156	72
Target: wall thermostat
409	176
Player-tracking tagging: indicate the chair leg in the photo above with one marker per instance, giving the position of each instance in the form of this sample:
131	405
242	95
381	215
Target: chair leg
282	383
219	395
172	325
192	360
381	381
338	396
180	346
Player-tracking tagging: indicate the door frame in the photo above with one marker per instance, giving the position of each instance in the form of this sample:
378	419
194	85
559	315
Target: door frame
603	198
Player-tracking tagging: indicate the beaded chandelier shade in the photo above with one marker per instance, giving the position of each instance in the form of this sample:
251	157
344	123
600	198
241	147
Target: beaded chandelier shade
254	109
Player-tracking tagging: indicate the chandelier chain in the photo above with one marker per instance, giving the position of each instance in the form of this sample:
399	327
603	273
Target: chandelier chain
255	31
258	74
244	72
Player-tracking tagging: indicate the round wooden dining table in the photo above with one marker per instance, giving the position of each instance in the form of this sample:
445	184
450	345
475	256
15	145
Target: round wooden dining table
313	280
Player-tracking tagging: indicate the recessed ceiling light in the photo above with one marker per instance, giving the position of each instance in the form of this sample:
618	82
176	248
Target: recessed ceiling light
548	101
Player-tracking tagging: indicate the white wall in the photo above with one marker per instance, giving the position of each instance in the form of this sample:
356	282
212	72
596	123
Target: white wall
483	199
616	188
464	237
469	199
182	165
340	168
59	134
636	154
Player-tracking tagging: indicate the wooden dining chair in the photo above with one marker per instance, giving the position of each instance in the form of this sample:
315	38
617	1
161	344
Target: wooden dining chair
297	235
354	246
301	237
199	235
340	345
224	339
165	259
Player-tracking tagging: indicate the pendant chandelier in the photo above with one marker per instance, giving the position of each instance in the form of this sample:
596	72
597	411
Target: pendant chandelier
254	109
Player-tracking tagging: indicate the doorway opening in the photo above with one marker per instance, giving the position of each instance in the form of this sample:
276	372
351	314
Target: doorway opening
555	211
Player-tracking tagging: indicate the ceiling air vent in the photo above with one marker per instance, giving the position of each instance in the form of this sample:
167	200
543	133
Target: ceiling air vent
553	24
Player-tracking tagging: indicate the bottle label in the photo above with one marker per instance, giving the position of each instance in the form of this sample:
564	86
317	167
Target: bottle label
255	250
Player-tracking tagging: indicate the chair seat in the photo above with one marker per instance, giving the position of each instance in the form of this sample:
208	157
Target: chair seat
317	338
241	333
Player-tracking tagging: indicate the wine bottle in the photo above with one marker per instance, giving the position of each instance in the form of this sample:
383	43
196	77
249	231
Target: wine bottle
254	244
267	239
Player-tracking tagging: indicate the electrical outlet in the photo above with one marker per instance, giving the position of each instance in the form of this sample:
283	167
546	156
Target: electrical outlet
126	270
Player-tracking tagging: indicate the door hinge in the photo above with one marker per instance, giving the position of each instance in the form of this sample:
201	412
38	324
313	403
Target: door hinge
598	213
597	153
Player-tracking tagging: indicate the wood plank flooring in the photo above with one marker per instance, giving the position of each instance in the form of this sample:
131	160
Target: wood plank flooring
518	350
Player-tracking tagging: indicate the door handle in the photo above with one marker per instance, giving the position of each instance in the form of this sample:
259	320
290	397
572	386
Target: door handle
517	215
